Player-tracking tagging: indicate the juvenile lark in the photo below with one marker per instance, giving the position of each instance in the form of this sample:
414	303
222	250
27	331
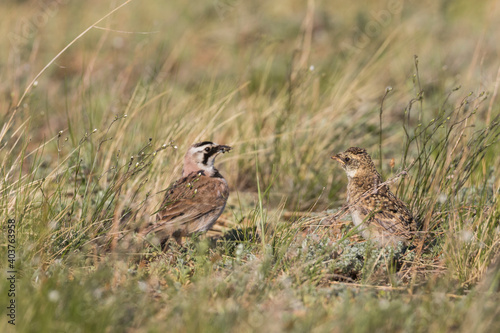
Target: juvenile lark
194	202
378	213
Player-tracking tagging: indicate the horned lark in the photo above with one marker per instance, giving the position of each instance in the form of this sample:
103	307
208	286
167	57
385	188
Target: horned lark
194	202
374	209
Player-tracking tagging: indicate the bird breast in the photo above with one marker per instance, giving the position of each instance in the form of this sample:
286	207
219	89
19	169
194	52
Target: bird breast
357	219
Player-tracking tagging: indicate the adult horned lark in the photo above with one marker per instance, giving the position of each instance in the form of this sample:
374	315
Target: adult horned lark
374	209
194	202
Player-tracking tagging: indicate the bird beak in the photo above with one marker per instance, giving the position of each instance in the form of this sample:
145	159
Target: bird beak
223	149
338	158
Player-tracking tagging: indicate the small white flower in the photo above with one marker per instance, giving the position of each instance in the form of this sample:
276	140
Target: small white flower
239	250
52	225
311	68
97	293
466	235
143	286
384	304
54	296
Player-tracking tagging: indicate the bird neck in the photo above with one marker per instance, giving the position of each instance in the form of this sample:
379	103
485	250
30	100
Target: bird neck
191	165
209	172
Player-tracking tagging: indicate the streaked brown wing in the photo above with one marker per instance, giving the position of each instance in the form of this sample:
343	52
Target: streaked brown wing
390	214
190	199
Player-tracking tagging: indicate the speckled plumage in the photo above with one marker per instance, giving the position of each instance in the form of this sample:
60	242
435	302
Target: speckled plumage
194	202
375	209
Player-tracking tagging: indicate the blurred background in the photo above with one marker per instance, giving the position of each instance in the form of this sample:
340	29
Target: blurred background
292	81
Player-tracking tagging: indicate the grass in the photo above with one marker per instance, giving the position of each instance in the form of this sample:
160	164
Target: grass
103	129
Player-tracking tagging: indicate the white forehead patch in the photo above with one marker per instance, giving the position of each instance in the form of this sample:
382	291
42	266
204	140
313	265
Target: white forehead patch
202	148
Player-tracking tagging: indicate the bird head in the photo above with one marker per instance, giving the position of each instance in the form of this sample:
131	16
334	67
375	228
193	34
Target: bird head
356	162
201	156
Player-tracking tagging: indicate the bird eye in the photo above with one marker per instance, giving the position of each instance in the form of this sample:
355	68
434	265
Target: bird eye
207	149
347	159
